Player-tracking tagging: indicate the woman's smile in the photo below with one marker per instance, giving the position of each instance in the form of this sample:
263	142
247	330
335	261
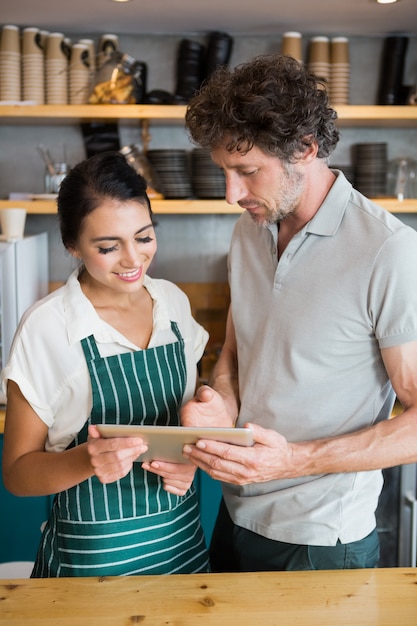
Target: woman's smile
130	276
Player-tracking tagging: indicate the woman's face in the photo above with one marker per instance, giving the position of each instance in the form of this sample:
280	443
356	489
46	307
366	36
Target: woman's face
117	244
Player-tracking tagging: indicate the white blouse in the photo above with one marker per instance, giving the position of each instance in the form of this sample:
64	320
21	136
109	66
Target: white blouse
48	364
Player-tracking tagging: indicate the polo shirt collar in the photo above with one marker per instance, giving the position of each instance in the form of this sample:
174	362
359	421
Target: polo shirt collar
330	215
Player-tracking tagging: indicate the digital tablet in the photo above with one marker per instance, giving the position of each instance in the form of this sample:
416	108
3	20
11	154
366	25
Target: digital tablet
166	442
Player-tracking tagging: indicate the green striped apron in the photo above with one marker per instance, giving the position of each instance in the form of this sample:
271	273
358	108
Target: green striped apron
131	526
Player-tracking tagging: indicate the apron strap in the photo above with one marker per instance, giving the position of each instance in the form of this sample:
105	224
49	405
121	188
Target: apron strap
90	348
176	331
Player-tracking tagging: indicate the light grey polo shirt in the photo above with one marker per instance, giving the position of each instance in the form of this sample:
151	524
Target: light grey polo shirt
309	332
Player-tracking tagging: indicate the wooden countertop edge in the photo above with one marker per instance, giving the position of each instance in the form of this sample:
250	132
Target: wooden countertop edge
319	598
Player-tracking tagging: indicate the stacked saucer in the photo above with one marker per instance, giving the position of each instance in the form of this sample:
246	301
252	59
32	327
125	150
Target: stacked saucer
33	66
207	178
171	172
370	168
339	71
79	74
10	64
56	69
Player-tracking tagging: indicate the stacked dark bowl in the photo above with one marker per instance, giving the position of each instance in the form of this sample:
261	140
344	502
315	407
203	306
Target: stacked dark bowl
207	178
190	69
196	62
219	50
172	172
370	168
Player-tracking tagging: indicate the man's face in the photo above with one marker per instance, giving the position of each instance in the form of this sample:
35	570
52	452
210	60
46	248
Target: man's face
262	184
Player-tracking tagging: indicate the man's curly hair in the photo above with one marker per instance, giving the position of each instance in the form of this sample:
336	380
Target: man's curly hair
272	103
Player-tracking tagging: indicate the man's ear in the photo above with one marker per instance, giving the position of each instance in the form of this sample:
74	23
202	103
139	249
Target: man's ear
310	151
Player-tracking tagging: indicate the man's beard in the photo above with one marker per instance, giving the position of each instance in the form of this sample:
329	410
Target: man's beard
288	199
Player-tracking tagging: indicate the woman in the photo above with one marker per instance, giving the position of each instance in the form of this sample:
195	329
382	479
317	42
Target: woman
111	346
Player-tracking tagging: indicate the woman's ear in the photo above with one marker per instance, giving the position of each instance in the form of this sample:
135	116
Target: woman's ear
74	252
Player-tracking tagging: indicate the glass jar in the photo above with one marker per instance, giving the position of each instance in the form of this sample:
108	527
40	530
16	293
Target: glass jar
54	180
120	79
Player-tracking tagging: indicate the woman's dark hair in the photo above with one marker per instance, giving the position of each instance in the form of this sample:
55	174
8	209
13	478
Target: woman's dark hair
272	103
87	185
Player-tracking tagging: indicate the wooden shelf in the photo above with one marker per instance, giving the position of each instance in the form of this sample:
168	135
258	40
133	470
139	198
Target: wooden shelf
352	115
348	115
385	116
195	207
53	114
167	207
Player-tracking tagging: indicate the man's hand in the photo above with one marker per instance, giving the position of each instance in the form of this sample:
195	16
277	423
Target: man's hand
207	408
270	458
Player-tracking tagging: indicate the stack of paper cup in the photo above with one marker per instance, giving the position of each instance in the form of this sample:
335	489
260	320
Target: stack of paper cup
107	44
10	64
43	35
79	74
319	59
33	66
92	61
292	45
339	71
56	69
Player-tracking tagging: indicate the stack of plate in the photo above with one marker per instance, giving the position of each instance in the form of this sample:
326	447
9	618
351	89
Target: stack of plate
171	172
207	178
370	168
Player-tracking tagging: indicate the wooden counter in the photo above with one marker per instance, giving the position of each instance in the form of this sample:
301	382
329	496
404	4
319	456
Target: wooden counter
376	597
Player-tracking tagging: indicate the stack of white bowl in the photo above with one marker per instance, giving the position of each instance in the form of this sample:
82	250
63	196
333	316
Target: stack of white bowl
10	64
319	59
56	69
33	66
339	71
79	74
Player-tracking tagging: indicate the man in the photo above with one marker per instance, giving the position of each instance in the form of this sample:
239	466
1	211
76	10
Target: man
321	334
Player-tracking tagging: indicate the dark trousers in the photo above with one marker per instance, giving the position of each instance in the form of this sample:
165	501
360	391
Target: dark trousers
235	549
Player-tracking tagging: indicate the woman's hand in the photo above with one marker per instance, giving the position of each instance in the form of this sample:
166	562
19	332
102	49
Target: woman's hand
113	458
177	477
